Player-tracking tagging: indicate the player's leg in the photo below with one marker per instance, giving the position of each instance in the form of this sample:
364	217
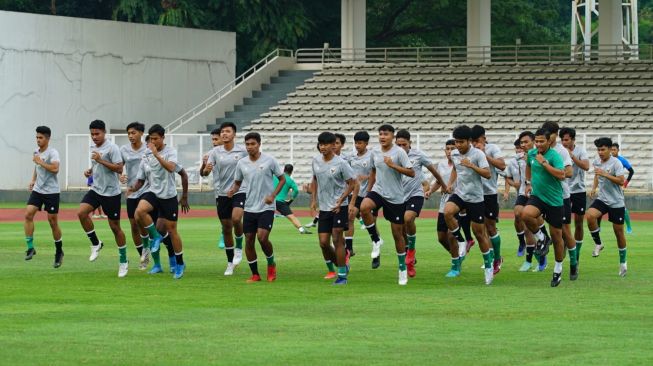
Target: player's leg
263	235
410	238
579	232
89	203
451	209
249	231
480	233
400	246
340	223
569	241
449	243
520	229
559	251
237	212
30	212
349	235
466	225
369	204
594	213
53	220
616	216
531	215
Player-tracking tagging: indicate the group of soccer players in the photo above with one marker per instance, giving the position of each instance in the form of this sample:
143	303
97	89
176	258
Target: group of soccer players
547	172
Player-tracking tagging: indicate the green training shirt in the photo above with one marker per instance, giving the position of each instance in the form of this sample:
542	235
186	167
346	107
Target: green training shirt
545	186
283	193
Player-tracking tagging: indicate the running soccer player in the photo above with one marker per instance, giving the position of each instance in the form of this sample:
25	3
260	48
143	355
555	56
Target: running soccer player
282	205
609	177
512	178
255	172
545	170
360	163
44	194
132	155
106	165
333	180
576	183
494	157
216	140
470	166
384	189
615	152
162	164
414	193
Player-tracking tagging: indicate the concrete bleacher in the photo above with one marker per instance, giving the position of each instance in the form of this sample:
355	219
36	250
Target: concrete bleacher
430	100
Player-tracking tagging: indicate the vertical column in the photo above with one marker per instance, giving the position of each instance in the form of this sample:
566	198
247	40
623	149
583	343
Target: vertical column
478	31
610	29
353	30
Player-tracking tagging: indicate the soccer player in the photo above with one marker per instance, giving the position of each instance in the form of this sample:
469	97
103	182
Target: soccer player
512	178
132	155
545	170
494	157
384	189
222	162
106	165
216	140
282	205
470	166
255	172
333	180
609	177
615	152
44	194
576	183
162	164
414	193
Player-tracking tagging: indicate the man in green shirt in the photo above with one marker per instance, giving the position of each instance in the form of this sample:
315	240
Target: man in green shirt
282	205
544	175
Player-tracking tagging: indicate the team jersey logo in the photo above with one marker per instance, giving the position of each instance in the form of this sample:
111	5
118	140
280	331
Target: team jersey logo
333	171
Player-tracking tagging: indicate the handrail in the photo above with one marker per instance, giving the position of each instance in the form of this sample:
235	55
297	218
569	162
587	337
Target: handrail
217	96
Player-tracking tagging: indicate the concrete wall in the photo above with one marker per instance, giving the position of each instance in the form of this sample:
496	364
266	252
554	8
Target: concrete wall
65	72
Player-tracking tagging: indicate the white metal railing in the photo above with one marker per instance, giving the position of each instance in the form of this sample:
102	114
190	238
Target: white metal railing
298	148
217	96
464	54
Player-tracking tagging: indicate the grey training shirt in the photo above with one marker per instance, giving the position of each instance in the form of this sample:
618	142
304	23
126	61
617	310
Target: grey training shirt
362	167
132	159
609	193
162	182
224	167
105	181
388	181
413	185
332	179
566	160
469	186
444	169
257	176
46	182
577	180
490	185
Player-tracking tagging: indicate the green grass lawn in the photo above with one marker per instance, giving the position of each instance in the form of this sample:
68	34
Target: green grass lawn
82	313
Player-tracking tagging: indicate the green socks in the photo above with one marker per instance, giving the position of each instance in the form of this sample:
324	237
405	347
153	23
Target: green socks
496	245
402	261
239	242
123	254
579	244
455	264
627	219
487	259
622	255
156	256
270	260
342	272
152	230
330	266
411	241
145	240
30	242
573	256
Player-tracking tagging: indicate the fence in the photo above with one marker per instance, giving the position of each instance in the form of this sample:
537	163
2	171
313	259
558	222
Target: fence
299	148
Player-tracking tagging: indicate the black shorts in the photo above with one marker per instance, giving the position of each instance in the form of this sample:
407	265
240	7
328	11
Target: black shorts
132	204
615	215
491	202
110	204
253	221
552	214
48	202
521	200
578	203
327	220
283	207
359	200
391	211
415	204
566	210
475	211
164	208
226	205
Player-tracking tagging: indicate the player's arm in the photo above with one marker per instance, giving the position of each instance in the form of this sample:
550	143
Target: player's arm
569	171
631	172
167	165
52	167
452	180
234	188
207	165
619	179
183	202
33	181
114	167
405	171
594	185
559	174
438	178
483	172
345	194
371	180
498	163
314	194
527	174
282	182
581	163
295	189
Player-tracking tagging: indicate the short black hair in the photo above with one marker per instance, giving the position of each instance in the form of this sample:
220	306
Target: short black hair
450	142
341	137
568	131
477	131
462	132
543	132
326	138
553	127
614	144
387	128
253	136
527	133
403	134
44	130
136	125
147	138
215	131
158	129
288	168
227	124
97	125
603	141
517	143
318	147
362	136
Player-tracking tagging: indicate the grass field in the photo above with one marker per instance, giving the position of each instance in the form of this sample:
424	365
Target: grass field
83	314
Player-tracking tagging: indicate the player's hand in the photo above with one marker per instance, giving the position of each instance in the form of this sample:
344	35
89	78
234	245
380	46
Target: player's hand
527	191
313	206
123	178
447	190
466	163
152	148
427	194
37	159
626	183
96	156
388	161
269	199
208	168
88	173
231	192
600	172
336	209
31	185
205	158
289	202
506	195
183	202
592	193
540	158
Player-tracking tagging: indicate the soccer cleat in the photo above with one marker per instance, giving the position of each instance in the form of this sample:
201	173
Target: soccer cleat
155	244
58	259
542	264
95	251
221	242
376	262
230	269
573	273
330	275
410	262
410	267
238	256
29	253
123	268
376	248
179	271
173	263
452	273
623	268
520	250
489	276
145	259
468	246
272	273
340	281
597	250
542	247
305	231
309	225
629	230
156	269
403	278
557	278
525	266
254	278
352	253
496	265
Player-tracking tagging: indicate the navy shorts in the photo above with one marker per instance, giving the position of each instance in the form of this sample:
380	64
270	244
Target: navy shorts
328	220
225	205
475	210
164	208
110	204
491	203
552	214
252	221
393	212
48	202
578	203
283	207
415	204
615	215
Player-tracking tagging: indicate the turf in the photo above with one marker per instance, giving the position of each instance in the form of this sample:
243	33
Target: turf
83	314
